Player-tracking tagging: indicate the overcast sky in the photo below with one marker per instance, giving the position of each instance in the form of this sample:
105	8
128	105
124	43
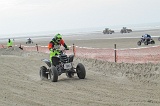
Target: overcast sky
22	16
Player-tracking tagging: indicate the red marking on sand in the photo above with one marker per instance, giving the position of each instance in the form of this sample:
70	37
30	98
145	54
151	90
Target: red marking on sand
2	46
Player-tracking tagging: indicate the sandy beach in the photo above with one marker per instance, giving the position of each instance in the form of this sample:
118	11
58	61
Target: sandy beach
106	83
96	39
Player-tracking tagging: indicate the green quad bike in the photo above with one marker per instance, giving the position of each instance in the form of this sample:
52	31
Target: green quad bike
61	64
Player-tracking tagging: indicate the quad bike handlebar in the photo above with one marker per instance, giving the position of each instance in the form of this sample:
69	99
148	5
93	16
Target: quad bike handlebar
62	51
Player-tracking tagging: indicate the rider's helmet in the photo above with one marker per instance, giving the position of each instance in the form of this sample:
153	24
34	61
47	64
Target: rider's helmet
58	37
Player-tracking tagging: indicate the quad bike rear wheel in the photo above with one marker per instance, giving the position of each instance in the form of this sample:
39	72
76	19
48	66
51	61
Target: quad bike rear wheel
54	74
43	74
81	72
145	42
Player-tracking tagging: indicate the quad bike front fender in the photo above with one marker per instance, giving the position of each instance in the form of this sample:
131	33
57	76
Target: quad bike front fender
47	62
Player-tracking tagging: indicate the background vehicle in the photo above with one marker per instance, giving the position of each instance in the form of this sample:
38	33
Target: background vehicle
125	30
108	31
61	64
29	41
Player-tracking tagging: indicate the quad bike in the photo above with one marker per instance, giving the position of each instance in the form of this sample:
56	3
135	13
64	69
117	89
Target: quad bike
61	64
29	41
146	42
159	38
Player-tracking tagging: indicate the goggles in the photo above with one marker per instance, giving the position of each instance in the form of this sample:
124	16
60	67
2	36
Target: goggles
59	39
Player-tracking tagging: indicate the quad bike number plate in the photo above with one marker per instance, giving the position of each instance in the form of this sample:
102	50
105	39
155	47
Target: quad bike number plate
67	66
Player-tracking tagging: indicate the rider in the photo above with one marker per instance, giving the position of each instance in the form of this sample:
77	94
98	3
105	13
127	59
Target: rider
55	44
9	43
146	37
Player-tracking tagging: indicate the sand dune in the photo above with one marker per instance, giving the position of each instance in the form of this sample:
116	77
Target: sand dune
106	83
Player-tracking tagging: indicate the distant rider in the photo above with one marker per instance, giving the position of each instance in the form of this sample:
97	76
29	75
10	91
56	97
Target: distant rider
55	44
146	37
9	43
29	39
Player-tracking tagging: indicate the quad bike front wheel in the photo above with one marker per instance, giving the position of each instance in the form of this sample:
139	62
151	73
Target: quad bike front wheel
152	42
81	72
43	74
139	43
54	74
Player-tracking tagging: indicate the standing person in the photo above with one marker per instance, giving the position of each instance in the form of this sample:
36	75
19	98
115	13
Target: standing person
10	43
55	44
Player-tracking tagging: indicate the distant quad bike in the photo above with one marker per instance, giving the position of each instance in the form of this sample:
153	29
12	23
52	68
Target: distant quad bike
29	41
61	64
159	38
146	42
